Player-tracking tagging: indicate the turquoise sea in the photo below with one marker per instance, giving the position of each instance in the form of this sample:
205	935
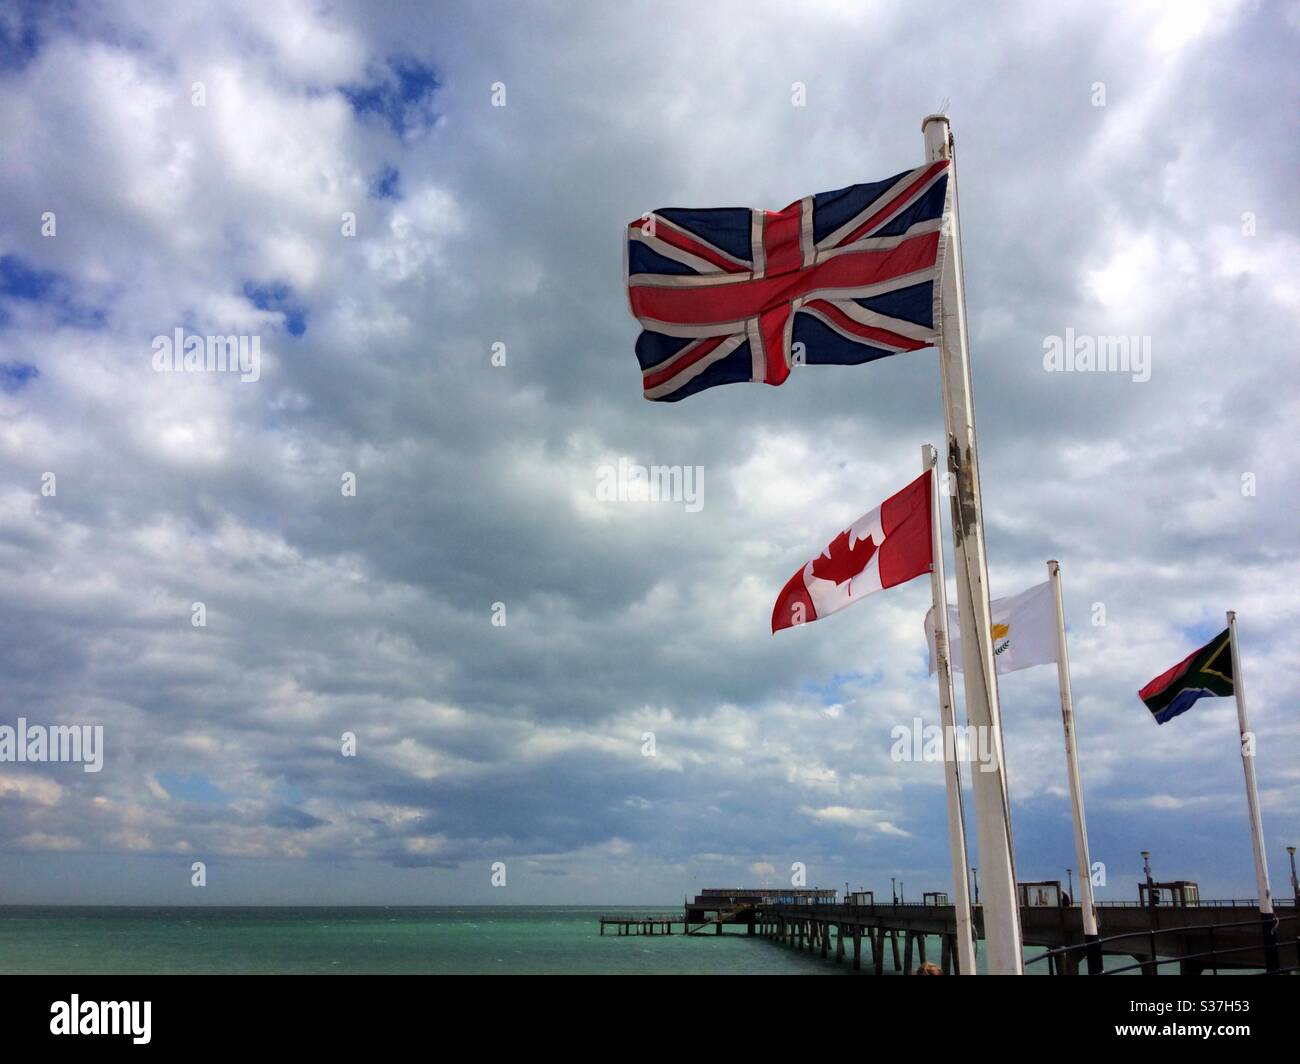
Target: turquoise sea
480	940
359	940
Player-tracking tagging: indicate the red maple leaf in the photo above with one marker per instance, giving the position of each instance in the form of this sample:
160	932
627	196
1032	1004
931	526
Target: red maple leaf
840	562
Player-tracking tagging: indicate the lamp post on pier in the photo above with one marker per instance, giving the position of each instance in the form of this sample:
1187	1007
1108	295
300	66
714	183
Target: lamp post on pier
975	874
1295	884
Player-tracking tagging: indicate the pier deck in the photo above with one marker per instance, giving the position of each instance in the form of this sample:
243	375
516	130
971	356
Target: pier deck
640	925
1160	937
1191	939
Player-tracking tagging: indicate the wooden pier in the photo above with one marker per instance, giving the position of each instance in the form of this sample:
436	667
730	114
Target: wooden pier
641	925
1190	939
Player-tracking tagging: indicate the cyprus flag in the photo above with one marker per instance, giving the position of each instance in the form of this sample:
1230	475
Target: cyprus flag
1024	631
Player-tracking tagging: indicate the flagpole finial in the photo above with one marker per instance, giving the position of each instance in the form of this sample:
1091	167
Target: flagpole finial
938	140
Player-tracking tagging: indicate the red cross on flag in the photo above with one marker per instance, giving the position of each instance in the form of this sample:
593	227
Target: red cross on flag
736	294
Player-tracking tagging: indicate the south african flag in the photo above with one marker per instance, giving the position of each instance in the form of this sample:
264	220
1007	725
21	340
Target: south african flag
1207	671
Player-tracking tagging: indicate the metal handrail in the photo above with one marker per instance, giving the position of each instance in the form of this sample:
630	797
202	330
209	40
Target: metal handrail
1200	903
1177	930
1151	933
1156	961
1203	903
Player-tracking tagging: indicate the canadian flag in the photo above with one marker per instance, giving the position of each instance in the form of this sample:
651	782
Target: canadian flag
888	546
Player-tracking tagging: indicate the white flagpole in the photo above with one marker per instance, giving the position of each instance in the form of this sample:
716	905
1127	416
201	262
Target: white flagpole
952	764
1005	949
1086	903
1252	800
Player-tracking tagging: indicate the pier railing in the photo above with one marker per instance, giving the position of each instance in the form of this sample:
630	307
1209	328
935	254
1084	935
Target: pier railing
1200	903
1203	903
1279	941
632	918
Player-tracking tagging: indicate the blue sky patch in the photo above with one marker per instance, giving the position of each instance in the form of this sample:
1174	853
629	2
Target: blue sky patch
191	788
830	689
286	816
278	296
1198	634
385	184
15	376
19	38
24	283
400	93
289	792
20	281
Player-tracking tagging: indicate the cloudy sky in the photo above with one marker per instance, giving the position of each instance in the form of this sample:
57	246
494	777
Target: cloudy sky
343	183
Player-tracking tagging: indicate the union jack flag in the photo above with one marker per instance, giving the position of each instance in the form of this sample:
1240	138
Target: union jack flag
839	278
